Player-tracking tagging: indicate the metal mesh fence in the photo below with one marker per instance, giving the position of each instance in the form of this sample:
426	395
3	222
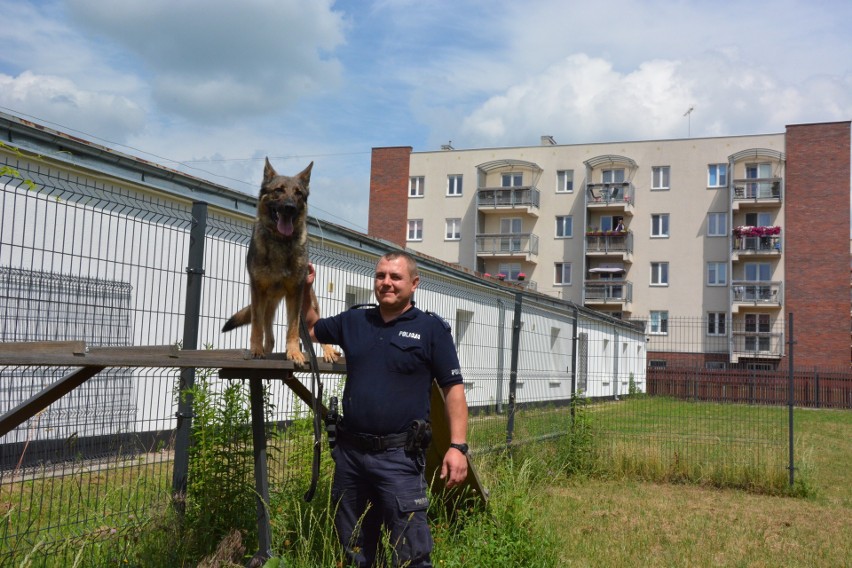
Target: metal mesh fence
106	263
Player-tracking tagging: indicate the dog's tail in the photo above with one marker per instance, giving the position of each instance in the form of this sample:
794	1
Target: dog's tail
240	318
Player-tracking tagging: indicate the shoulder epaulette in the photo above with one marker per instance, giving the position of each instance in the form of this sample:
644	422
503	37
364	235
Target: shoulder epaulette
363	306
440	319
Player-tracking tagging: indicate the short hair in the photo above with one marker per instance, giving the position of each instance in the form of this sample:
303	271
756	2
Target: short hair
409	260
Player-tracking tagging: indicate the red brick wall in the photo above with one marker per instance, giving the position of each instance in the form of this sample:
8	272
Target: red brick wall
816	242
388	215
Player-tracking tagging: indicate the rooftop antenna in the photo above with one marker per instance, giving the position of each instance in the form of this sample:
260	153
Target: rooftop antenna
688	115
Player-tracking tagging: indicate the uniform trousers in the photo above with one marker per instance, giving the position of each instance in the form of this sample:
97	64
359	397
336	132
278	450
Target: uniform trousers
375	488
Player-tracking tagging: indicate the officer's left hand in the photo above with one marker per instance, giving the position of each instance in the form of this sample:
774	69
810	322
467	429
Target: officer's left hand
454	468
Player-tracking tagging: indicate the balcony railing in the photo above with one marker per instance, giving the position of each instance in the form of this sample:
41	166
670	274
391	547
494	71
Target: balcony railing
610	193
758	245
608	291
609	242
757	188
757	344
507	197
756	292
501	244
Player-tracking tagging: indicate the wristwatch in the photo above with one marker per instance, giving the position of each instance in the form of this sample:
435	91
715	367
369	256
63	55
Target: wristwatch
460	447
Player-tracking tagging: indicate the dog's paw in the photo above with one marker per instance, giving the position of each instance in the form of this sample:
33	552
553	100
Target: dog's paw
257	354
329	354
296	356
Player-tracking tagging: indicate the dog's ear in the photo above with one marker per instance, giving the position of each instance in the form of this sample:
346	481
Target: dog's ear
268	172
305	175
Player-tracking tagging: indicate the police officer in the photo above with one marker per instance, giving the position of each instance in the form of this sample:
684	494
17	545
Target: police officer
393	351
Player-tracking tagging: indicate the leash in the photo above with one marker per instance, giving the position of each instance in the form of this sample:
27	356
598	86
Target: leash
316	397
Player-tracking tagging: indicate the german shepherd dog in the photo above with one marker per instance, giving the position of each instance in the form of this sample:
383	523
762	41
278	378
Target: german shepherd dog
277	264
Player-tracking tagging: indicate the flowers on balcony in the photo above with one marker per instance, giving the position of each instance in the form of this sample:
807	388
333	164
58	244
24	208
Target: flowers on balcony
522	276
750	231
501	276
595	233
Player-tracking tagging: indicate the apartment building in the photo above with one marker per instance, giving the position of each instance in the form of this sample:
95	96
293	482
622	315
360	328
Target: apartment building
736	232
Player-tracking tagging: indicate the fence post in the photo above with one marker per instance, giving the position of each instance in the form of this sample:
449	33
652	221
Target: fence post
501	324
573	369
816	387
790	393
513	372
192	313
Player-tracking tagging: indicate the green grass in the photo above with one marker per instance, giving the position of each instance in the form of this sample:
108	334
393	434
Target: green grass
619	521
608	494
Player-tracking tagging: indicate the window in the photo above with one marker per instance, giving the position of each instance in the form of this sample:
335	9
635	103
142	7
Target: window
356	296
757	329
717	273
565	181
563	274
415	229
511	226
716	323
657	364
760	219
415	186
758	271
512	180
464	319
717	175
659	322
660	177
761	187
609	222
454	185
510	269
50	306
660	225
659	274
717	224
453	230
612	176
564	226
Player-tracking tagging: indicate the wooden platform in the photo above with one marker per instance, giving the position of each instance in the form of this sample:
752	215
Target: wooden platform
86	362
76	354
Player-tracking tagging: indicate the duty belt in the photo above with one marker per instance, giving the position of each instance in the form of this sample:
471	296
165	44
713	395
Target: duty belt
371	443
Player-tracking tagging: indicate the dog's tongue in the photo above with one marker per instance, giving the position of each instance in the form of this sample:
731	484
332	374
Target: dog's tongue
285	226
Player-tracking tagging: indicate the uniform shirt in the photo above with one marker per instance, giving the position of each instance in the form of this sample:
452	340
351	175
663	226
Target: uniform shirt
390	366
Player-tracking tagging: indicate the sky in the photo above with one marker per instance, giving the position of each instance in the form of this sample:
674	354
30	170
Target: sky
212	87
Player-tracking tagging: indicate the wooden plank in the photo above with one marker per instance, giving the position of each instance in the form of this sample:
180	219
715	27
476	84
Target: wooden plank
74	354
44	347
472	487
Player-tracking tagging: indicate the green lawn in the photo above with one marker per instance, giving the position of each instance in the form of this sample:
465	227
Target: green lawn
624	522
670	483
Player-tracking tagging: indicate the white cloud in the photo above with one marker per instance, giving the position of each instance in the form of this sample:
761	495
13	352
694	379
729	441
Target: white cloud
219	60
61	101
584	99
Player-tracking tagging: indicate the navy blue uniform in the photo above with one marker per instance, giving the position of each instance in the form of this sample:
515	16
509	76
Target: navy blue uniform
390	367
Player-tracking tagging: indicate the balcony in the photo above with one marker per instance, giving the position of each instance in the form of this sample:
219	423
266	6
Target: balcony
524	199
522	246
761	192
607	293
756	344
611	196
747	294
756	242
606	243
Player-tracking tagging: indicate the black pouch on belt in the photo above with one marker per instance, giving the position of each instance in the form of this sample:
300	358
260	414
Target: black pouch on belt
419	436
